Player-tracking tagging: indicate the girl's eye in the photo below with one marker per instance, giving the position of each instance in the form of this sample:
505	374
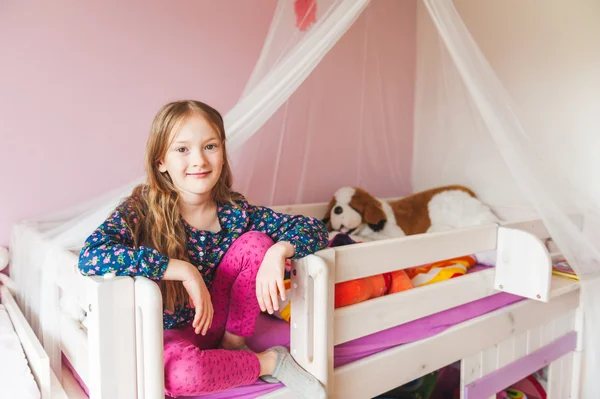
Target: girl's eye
181	149
211	147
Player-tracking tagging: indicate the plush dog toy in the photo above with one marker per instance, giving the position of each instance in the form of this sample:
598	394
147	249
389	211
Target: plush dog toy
356	212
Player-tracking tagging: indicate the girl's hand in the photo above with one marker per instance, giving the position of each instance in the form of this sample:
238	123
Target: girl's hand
270	276
199	300
188	274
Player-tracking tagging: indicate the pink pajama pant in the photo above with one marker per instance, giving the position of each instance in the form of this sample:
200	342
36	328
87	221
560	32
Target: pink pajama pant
192	364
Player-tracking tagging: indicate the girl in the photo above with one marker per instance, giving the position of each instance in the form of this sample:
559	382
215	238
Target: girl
217	259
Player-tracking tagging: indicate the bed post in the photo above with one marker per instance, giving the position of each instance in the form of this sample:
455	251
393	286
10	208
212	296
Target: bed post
576	377
111	338
149	339
523	265
312	315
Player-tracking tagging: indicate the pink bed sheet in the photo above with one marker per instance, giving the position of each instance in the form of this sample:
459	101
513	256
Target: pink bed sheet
271	331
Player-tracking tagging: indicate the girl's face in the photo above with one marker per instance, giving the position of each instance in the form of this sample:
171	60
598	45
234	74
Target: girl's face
194	159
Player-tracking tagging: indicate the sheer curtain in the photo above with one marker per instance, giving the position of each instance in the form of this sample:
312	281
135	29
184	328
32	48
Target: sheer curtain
348	123
513	135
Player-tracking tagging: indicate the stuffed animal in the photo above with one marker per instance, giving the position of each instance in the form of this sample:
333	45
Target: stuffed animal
356	212
363	289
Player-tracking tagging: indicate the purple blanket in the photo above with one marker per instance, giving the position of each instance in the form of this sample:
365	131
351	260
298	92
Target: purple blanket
271	331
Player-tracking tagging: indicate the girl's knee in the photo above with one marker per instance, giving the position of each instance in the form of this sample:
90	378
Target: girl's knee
256	238
254	244
247	252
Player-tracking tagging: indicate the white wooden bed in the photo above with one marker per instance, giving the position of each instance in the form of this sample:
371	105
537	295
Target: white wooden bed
46	384
119	354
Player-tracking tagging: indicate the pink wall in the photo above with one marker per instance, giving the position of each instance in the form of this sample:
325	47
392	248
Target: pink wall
79	86
80	83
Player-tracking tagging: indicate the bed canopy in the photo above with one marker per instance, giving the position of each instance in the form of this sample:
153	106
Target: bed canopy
503	99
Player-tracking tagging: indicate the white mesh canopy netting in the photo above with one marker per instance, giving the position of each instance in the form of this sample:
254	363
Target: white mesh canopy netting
502	98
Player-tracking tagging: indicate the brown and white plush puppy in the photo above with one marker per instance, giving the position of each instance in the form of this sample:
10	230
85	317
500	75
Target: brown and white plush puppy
356	212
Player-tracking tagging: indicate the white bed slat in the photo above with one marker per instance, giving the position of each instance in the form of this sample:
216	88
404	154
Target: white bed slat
480	364
575	383
75	347
533	339
36	356
567	376
506	352
564	323
149	336
559	377
489	360
111	339
453	344
548	333
555	378
401	253
520	348
470	369
377	314
503	353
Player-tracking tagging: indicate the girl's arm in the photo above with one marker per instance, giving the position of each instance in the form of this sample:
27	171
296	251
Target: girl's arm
110	249
306	235
188	274
295	237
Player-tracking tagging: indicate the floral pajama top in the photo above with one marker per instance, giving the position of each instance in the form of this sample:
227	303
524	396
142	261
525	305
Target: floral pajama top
110	248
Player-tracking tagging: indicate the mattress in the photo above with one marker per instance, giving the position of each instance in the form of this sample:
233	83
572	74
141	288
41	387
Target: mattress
16	380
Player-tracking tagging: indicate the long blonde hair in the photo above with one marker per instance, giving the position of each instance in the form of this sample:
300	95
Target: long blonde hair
156	202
